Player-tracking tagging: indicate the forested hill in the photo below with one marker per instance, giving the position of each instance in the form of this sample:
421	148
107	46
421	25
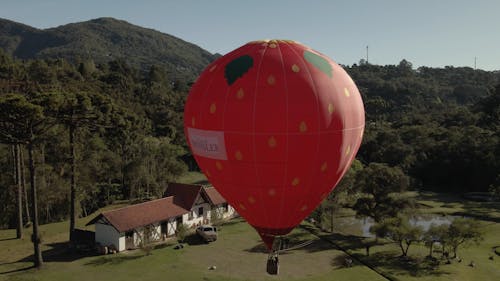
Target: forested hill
103	40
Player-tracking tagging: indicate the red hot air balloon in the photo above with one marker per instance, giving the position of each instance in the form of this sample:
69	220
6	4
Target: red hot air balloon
274	125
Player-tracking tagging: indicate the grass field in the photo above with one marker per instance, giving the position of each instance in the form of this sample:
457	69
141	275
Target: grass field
240	255
385	257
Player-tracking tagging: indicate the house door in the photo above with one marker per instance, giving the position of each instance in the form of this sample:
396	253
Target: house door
164	228
129	240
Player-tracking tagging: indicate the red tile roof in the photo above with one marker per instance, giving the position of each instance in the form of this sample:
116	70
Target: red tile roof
214	195
184	194
134	216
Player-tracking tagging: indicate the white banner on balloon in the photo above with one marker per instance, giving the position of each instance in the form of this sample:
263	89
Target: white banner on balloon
207	143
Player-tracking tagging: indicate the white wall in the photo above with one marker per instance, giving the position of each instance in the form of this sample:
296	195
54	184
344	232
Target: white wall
197	219
107	235
139	234
225	215
171	226
231	212
121	243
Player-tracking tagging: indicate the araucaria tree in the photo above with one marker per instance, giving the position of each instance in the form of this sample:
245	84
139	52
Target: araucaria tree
24	121
78	110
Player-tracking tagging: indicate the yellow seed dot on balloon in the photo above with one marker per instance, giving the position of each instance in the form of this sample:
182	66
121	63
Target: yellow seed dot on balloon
238	155
271	142
242	207
303	127
213	108
271	192
295	182
251	200
193	121
208	173
272	45
303	208
324	166
213	68
348	150
331	109
346	92
218	165
240	94
295	68
271	80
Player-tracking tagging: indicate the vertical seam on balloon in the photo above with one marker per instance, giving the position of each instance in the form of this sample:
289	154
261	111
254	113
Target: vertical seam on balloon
253	125
286	172
283	186
311	172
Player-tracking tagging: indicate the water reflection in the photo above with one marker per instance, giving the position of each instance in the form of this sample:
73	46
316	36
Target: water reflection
361	227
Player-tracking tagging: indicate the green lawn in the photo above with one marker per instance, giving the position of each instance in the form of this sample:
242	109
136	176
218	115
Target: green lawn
193	178
385	256
240	255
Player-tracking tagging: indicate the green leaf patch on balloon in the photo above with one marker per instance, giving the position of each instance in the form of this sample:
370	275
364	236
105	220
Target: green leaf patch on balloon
319	62
237	68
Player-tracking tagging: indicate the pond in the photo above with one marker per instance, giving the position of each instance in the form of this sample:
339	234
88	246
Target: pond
362	226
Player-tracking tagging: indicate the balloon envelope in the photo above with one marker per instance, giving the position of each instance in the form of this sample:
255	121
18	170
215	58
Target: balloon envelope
274	125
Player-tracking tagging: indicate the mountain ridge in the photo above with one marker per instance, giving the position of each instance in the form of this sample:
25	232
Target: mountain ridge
104	39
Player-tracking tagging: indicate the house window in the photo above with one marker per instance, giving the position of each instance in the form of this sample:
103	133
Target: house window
225	207
129	234
191	215
200	212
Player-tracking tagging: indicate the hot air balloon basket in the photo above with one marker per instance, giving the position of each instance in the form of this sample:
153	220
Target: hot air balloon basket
273	264
273	258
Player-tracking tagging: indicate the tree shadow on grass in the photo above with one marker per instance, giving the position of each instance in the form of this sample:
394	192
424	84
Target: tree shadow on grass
8	239
486	211
258	248
112	260
311	246
440	197
61	252
394	264
57	252
293	242
17	270
344	261
194	240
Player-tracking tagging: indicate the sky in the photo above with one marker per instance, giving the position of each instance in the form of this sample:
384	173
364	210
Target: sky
434	33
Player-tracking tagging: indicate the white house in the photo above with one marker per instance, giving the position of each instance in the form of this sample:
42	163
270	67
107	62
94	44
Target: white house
191	205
